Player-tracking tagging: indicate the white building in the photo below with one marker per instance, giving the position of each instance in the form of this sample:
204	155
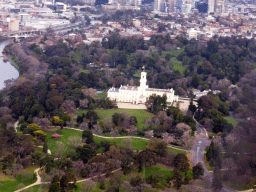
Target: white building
192	33
211	6
136	95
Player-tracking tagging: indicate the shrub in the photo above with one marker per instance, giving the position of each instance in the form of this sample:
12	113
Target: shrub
154	178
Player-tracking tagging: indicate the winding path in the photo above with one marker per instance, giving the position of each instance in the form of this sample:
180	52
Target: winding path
127	137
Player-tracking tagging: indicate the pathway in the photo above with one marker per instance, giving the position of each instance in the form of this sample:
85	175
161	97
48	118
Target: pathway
39	180
127	137
15	126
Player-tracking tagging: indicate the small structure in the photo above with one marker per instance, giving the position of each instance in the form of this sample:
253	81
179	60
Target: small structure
55	136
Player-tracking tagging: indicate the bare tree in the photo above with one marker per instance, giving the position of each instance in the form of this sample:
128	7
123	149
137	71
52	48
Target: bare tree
70	124
84	104
186	140
74	141
83	126
167	138
184	127
61	148
88	186
149	134
68	106
97	129
89	92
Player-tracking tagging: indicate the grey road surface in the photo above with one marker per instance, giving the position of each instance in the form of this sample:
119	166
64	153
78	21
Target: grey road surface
198	150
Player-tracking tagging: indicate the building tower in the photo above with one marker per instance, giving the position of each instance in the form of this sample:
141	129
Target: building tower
211	6
143	80
157	5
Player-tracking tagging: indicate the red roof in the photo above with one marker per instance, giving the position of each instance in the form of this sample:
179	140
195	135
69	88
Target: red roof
55	135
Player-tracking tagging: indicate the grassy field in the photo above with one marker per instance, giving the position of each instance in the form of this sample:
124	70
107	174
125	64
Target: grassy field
176	150
232	121
135	143
77	56
177	65
9	183
175	52
140	114
237	186
66	133
84	71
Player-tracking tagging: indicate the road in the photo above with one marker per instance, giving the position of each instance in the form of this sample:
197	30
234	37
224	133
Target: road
198	150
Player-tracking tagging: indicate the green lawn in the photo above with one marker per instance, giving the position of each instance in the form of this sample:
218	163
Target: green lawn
77	56
140	114
232	121
159	169
137	74
9	183
178	67
176	150
37	188
135	143
102	95
176	52
237	186
66	133
85	71
166	172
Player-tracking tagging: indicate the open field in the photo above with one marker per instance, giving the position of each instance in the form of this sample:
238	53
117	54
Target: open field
84	71
66	133
9	183
136	143
178	66
140	114
232	121
139	144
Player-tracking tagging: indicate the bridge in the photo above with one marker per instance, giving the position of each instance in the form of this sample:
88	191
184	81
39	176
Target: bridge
18	34
33	33
78	7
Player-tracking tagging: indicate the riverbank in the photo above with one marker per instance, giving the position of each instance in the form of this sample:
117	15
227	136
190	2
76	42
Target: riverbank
11	58
13	61
9	70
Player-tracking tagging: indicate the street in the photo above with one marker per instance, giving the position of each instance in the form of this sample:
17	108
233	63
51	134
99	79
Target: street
198	150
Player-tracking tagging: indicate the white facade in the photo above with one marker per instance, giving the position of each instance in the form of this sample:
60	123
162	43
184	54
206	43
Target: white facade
136	95
211	6
192	33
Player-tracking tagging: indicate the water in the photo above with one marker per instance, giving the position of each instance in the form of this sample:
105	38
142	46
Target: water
7	71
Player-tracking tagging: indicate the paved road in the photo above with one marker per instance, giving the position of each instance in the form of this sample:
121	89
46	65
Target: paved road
198	150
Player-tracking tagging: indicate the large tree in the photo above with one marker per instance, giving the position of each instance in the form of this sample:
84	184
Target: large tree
146	158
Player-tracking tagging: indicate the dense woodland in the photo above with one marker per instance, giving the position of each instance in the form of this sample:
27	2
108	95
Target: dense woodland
57	81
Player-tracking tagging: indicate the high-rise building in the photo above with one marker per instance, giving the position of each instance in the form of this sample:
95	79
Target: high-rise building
157	5
171	5
202	7
211	6
219	7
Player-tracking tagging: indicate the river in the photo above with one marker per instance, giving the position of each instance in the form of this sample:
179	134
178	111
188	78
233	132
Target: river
7	71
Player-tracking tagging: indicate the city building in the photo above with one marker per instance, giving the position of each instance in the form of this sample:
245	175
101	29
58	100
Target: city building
136	95
13	24
192	33
211	6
